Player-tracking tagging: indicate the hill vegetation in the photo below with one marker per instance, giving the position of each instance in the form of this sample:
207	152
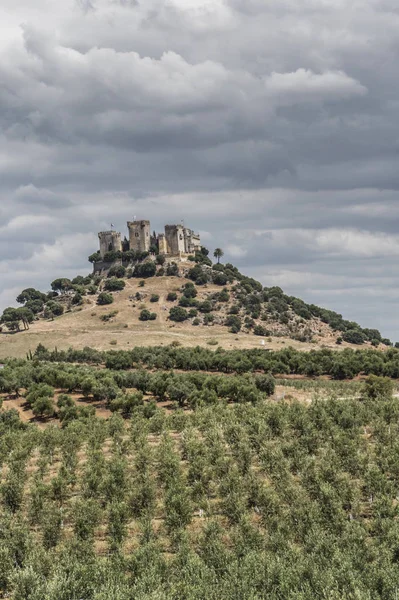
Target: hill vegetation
226	494
196	299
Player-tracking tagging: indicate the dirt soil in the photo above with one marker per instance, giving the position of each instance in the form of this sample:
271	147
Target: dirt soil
83	326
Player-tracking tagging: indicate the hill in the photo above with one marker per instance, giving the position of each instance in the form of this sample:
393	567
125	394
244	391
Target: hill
157	303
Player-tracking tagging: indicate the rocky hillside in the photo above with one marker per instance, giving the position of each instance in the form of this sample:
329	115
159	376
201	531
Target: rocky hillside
159	302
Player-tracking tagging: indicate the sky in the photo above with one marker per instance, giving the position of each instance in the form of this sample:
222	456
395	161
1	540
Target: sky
269	126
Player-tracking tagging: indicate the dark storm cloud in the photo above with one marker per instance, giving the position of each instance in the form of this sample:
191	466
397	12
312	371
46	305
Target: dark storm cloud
272	127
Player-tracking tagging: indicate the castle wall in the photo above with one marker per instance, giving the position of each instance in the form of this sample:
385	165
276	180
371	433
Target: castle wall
192	241
177	239
163	244
174	235
139	235
110	241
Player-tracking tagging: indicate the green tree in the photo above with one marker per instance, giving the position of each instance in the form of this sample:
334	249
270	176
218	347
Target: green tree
61	285
218	253
114	284
104	298
43	407
178	314
378	387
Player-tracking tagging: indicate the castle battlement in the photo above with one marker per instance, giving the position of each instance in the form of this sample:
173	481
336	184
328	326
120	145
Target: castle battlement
177	240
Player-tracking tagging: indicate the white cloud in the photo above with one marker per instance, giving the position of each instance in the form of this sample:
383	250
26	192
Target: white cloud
272	126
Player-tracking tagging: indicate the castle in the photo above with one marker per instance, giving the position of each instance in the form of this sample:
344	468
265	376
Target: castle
177	240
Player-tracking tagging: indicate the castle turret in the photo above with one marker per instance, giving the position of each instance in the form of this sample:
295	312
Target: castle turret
174	235
110	241
139	235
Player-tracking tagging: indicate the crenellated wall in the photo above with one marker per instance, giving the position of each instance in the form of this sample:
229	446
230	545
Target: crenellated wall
110	241
139	235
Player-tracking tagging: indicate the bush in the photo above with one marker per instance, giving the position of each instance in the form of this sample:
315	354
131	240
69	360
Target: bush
114	285
117	271
178	314
219	278
95	257
43	407
234	323
353	336
109	316
146	315
266	383
145	270
77	299
53	309
190	291
378	387
105	298
259	330
171	297
205	307
172	270
198	275
154	298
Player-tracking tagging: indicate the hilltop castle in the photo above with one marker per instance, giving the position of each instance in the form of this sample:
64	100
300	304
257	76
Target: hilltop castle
177	240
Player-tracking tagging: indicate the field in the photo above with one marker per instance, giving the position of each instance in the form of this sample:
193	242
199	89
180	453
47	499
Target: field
150	484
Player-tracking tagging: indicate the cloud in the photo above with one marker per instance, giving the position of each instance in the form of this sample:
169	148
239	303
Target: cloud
271	126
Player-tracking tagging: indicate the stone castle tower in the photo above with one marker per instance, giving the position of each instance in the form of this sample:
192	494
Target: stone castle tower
174	235
177	240
110	241
139	235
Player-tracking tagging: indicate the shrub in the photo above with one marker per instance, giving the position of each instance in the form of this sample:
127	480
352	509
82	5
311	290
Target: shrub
172	270
190	291
234	323
146	315
353	336
178	314
154	298
266	383
145	270
205	307
43	407
95	257
198	275
171	297
105	298
219	278
109	316
117	271
53	309
114	285
378	387
259	330
77	299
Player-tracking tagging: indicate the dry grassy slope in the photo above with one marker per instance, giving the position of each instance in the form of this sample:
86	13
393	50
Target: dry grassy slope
83	326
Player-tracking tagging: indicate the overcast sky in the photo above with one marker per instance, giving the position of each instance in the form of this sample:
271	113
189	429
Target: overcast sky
271	126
